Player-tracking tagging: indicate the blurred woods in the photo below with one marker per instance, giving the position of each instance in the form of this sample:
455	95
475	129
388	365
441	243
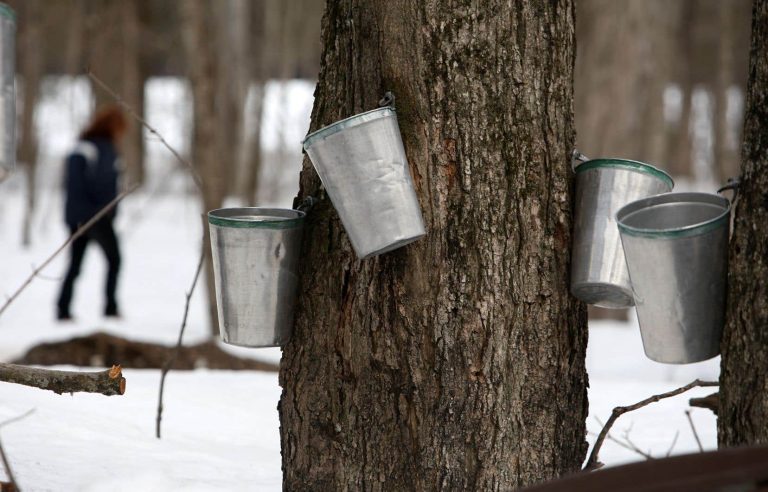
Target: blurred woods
663	82
227	51
657	81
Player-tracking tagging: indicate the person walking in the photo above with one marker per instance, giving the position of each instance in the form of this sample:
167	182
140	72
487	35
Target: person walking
92	173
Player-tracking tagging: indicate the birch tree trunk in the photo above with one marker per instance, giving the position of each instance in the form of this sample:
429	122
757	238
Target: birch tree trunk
457	362
743	414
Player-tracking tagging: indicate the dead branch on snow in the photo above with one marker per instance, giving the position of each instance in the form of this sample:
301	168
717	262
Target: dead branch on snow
592	462
109	382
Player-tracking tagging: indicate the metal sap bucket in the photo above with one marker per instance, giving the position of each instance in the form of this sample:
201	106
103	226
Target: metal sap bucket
677	252
598	271
362	164
7	90
255	264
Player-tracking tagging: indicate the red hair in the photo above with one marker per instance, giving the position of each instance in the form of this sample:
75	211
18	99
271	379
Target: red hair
109	122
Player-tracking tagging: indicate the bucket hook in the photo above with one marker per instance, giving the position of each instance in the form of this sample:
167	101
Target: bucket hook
307	203
731	184
577	158
387	100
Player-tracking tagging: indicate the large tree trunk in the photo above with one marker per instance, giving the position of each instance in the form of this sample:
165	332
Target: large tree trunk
743	414
457	362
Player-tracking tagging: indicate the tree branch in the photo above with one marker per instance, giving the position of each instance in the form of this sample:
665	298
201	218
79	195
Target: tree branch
592	463
710	402
693	429
4	457
172	358
109	382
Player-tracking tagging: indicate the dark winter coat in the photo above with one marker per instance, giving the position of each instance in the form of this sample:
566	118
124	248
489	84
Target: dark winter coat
92	171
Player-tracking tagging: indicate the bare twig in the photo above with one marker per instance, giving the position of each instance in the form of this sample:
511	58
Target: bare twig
592	463
175	353
672	446
79	232
4	457
109	382
693	428
626	444
119	100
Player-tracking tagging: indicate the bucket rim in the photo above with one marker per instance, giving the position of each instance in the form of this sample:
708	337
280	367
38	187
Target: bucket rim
349	122
284	218
7	12
675	232
628	164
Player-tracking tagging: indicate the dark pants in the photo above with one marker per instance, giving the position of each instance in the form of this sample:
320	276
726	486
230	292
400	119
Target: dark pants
104	235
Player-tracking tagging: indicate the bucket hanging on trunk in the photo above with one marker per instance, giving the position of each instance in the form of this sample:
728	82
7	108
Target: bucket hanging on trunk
599	272
361	162
676	246
255	265
7	90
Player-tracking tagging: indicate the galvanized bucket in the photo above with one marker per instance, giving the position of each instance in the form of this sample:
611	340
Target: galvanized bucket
7	90
255	264
362	164
598	271
677	252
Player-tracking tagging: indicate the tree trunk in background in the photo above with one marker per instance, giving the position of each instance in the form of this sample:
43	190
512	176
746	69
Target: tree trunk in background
731	74
73	54
114	56
250	157
133	88
622	68
30	68
743	414
198	33
231	37
457	362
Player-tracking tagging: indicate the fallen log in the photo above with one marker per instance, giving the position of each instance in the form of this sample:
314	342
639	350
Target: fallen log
109	382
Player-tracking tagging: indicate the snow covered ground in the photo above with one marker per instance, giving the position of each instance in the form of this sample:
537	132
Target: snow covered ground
220	428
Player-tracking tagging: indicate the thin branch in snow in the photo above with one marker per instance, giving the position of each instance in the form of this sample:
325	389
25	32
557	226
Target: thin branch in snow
627	443
175	353
592	462
119	100
4	457
693	428
672	446
79	232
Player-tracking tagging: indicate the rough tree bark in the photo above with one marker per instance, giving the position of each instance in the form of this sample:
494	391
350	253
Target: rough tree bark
743	414
457	362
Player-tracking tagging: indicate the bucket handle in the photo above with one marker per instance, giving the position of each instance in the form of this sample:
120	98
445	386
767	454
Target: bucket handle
577	158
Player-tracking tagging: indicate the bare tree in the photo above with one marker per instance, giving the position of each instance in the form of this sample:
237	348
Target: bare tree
743	412
457	362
